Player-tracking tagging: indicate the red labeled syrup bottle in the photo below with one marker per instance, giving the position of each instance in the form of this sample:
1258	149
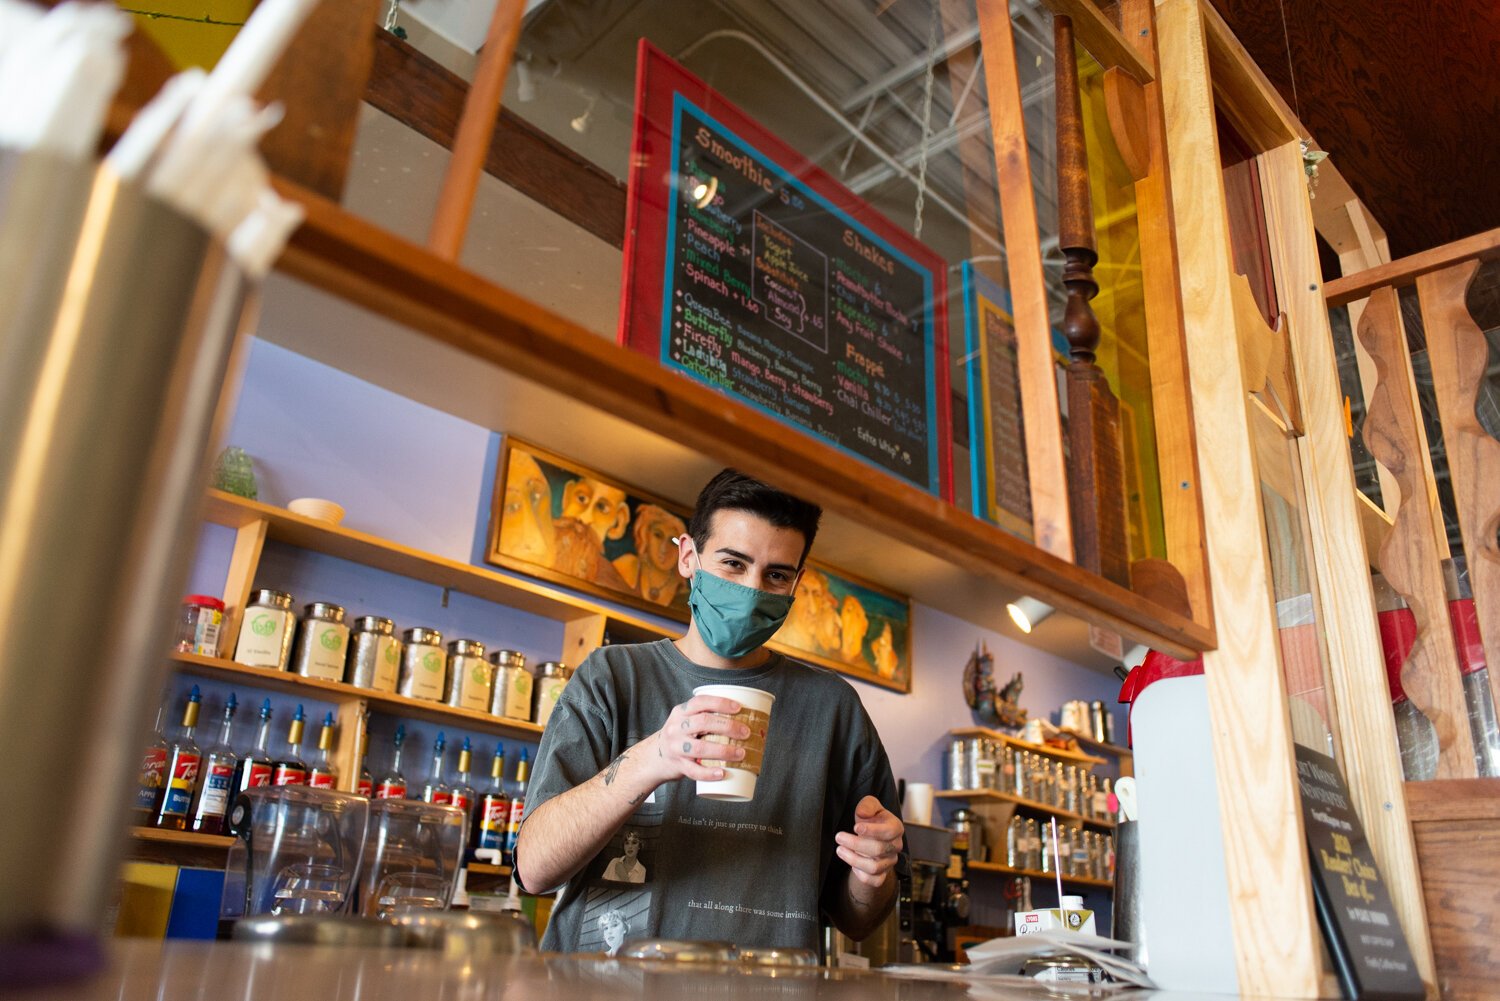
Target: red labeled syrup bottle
217	774
181	773
290	769
325	774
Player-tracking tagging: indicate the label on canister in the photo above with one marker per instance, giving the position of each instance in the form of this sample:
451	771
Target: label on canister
471	676
387	664
206	631
547	692
423	671
517	682
327	644
261	638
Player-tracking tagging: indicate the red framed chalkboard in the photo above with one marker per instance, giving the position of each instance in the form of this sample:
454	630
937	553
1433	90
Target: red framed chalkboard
749	268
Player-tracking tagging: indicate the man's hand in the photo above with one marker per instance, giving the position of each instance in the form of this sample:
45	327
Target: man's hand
871	850
675	750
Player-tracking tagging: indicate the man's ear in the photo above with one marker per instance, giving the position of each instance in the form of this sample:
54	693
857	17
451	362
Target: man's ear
686	550
622	522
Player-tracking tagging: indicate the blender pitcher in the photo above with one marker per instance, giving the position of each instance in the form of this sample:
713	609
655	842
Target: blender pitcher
411	859
297	850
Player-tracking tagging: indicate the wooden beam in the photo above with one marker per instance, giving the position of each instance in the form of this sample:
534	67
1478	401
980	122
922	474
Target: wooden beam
1176	445
1459	354
249	541
1411	559
1099	36
428	99
1277	941
1242	92
1125	103
475	130
354	259
1340	562
1484	246
1051	524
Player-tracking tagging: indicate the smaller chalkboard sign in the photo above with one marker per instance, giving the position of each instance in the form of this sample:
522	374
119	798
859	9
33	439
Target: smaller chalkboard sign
997	426
1359	923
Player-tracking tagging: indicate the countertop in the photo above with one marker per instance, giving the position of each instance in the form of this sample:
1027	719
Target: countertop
148	970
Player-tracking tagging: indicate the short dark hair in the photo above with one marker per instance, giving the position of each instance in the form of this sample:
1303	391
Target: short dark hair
732	490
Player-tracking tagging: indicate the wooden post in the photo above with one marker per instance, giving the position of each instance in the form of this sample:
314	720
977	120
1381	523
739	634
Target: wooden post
1356	664
1277	941
1096	465
1044	448
472	145
249	542
1457	350
1411	558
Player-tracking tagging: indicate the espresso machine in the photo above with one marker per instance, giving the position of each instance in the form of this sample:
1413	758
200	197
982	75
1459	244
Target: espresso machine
936	902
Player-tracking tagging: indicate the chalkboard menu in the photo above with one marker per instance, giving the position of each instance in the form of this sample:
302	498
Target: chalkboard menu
751	270
997	427
1364	935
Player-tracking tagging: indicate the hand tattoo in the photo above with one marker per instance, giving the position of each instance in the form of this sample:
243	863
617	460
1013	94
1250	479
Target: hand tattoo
686	746
614	767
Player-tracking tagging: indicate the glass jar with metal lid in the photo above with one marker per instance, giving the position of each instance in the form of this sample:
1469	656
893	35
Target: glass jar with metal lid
267	630
511	696
551	678
424	665
469	676
374	654
322	642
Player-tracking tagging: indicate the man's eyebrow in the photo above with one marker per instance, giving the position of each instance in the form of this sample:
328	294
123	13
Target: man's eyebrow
751	560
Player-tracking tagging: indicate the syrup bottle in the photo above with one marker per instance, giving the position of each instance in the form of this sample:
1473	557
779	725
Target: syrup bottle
181	774
218	774
291	770
392	784
254	770
325	774
436	790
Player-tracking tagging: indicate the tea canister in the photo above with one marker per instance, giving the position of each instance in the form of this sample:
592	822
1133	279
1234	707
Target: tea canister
469	676
374	654
511	697
424	665
266	631
552	677
322	642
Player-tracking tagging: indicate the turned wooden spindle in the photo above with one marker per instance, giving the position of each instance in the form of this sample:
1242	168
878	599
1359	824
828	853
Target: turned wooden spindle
1096	466
1075	206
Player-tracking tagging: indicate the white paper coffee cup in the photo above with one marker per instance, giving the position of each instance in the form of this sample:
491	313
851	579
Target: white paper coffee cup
917	808
738	783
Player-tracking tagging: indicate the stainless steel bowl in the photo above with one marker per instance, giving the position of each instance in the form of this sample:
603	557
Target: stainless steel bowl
678	951
467	934
318	929
777	957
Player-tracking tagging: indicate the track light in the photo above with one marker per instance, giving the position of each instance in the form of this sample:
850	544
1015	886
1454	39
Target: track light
1026	613
581	123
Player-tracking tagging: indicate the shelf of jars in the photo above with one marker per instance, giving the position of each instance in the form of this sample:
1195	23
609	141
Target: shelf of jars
1103	747
388	702
1005	870
1045	750
1045	809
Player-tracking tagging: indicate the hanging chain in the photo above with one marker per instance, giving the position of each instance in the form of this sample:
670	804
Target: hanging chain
932	27
390	15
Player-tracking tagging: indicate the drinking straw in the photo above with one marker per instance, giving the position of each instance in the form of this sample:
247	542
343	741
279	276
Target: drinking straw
1057	863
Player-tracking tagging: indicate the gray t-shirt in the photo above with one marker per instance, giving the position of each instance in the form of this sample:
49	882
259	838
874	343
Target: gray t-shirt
755	873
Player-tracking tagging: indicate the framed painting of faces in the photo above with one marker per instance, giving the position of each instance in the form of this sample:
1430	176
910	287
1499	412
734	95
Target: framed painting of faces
849	625
558	521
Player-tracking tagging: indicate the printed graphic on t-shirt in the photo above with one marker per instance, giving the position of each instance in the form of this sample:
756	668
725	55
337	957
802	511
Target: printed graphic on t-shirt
613	916
630	855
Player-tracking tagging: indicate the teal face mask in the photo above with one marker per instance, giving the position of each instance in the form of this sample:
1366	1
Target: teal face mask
733	619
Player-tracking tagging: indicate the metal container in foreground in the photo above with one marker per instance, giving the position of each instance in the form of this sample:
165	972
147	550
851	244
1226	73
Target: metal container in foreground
424	664
470	676
374	654
511	695
108	400
551	678
266	630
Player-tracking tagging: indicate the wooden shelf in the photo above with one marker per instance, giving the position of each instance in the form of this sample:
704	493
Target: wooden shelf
1074	757
182	838
397	705
382	554
1102	747
470	328
996	796
1005	870
485	869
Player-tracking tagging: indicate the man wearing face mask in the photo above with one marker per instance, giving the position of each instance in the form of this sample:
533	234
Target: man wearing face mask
621	756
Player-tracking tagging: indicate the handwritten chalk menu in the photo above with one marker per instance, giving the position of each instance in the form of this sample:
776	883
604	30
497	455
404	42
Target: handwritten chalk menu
997	428
751	270
1364	937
